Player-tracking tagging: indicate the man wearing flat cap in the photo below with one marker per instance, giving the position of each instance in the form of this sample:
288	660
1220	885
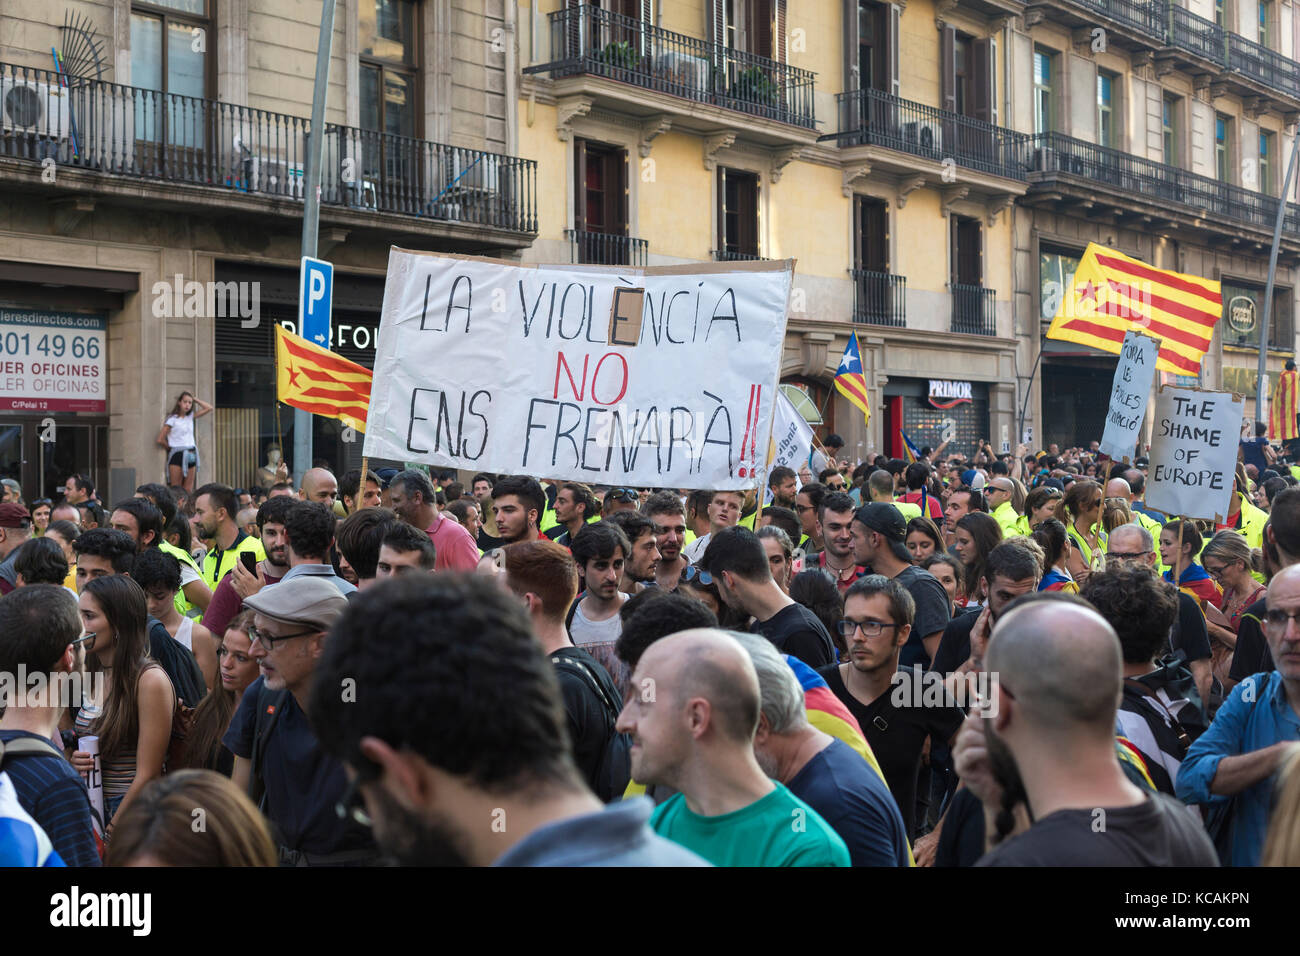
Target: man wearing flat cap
278	758
15	529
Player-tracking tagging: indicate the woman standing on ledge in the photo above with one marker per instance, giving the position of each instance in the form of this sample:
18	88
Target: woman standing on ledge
177	436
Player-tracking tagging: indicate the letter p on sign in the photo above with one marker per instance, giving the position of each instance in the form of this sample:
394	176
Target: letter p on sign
315	300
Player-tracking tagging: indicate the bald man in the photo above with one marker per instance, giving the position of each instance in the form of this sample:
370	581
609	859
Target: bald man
319	484
692	715
1120	488
998	494
1256	727
1051	735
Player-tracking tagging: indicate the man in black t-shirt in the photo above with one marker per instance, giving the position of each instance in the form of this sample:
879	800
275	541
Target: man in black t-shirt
544	576
738	564
878	615
1010	571
878	534
1049	733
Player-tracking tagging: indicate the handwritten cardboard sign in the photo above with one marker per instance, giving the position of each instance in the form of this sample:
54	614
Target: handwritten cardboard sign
1129	394
1194	452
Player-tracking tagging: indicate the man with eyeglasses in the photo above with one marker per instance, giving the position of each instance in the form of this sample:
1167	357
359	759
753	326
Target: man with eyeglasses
43	638
1132	543
278	758
1254	730
878	616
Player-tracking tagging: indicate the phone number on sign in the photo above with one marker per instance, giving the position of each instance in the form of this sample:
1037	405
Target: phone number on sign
57	346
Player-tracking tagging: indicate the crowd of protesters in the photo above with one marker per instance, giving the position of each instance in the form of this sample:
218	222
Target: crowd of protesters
948	661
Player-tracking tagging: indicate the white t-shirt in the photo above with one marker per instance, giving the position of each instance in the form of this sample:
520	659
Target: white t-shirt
182	431
695	550
584	631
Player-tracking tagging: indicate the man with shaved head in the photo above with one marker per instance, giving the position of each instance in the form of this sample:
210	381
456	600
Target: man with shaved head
1252	733
692	722
319	484
1050	736
1120	488
998	493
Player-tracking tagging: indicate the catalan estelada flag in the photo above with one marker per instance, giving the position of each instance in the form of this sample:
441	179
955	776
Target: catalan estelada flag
1113	293
909	450
318	381
1282	408
849	378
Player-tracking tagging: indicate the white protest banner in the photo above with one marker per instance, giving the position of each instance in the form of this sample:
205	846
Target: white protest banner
1194	452
792	436
95	779
1128	394
660	377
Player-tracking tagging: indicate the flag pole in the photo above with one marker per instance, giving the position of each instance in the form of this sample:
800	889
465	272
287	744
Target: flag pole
1267	318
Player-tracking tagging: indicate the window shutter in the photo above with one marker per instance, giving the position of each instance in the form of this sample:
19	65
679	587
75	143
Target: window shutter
621	197
722	208
895	21
716	31
948	67
993	80
982	80
859	219
779	44
579	184
852	81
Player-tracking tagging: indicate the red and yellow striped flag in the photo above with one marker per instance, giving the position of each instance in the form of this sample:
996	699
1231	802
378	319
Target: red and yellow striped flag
1282	408
318	381
1113	293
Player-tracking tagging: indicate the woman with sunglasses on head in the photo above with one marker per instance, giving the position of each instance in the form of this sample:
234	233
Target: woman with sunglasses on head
1230	560
130	707
203	746
700	586
1040	504
1083	509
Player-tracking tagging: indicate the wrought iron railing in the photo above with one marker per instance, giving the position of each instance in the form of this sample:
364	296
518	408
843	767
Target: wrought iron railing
727	255
587	39
879	298
1055	153
874	118
128	131
602	249
973	309
1143	17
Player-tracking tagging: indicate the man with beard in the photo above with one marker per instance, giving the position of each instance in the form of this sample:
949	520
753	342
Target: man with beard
240	582
696	735
600	551
574	504
278	757
215	508
820	770
319	484
784	485
1050	734
519	503
411	496
878	616
835	518
643	560
666	512
461	779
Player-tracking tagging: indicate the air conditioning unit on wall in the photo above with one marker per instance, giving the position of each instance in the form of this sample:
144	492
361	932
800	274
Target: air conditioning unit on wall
926	134
33	107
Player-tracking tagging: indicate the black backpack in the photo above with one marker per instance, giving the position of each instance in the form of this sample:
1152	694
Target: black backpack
615	768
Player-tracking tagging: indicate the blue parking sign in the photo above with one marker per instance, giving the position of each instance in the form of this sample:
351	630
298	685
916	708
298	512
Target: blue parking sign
315	299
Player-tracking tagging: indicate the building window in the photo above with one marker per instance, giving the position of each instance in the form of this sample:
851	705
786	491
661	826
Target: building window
168	43
1223	147
1106	109
1219	14
1265	20
737	212
1044	107
967	251
1265	184
871	248
873	46
1170	129
747	26
389	76
602	188
964	63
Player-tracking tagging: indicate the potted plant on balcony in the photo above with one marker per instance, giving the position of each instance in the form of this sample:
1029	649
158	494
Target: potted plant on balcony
621	55
754	86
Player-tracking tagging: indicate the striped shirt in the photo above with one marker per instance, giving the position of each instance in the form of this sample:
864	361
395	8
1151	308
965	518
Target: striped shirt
55	796
118	773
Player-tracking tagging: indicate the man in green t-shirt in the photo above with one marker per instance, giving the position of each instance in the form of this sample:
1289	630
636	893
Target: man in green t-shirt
692	714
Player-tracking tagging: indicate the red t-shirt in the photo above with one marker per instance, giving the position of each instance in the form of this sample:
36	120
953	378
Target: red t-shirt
225	605
932	507
843	585
456	548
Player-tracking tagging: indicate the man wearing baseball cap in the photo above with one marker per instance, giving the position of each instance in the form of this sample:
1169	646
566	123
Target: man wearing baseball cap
878	534
279	761
15	529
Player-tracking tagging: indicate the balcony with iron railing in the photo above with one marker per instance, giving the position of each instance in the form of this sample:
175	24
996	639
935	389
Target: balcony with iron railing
586	40
730	255
874	118
1173	189
603	249
122	131
879	298
974	309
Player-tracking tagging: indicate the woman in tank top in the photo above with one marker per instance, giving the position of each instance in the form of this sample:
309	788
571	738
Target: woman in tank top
177	436
129	707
